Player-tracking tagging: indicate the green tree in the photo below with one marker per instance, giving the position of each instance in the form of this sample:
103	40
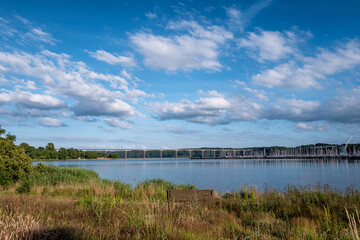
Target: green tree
73	153
14	163
63	154
50	147
113	155
29	150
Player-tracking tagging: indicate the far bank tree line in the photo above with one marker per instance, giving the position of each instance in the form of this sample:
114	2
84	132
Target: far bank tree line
50	152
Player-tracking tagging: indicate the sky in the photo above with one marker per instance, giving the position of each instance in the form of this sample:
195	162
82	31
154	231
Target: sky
177	74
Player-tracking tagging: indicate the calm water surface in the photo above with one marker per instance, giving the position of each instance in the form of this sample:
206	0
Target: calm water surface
227	174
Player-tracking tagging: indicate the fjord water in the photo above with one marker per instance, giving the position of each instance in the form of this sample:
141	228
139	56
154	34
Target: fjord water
227	174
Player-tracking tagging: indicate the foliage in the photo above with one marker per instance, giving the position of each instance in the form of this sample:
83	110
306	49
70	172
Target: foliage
49	152
25	187
14	163
113	155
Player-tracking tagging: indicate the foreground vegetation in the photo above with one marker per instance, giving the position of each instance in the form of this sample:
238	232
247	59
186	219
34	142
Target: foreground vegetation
70	203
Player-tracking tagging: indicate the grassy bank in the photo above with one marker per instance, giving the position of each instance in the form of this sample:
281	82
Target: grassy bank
70	203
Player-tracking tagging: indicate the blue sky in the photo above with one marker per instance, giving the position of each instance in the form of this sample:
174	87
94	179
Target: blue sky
170	74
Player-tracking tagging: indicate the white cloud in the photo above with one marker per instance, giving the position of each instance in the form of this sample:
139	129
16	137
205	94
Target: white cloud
51	122
72	81
209	110
115	107
112	59
268	45
126	75
239	19
118	123
235	16
258	93
197	49
326	63
244	109
21	31
293	110
29	100
29	85
151	15
39	35
216	108
344	108
312	126
213	109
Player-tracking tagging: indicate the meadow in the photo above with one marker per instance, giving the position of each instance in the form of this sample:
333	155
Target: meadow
71	203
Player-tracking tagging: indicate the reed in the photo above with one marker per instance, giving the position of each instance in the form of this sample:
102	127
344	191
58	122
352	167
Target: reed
353	223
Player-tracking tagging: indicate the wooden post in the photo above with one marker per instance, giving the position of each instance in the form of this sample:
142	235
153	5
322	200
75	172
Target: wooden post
176	153
144	154
125	154
160	154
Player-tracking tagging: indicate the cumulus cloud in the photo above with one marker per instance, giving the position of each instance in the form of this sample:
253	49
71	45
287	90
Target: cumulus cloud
212	109
29	100
344	108
244	109
117	123
51	122
293	110
258	93
71	81
326	63
268	45
115	107
112	59
209	110
197	48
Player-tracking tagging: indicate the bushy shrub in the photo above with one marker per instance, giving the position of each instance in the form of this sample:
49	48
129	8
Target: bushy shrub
15	164
25	187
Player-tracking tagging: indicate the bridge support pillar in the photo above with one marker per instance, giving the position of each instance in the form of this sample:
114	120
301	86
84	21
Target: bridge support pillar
202	153
176	153
160	154
125	154
189	153
144	154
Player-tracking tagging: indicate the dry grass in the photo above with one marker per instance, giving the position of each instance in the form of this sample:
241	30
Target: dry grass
106	217
16	225
353	223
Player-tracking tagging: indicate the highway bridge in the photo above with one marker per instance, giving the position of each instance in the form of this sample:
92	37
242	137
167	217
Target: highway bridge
241	153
